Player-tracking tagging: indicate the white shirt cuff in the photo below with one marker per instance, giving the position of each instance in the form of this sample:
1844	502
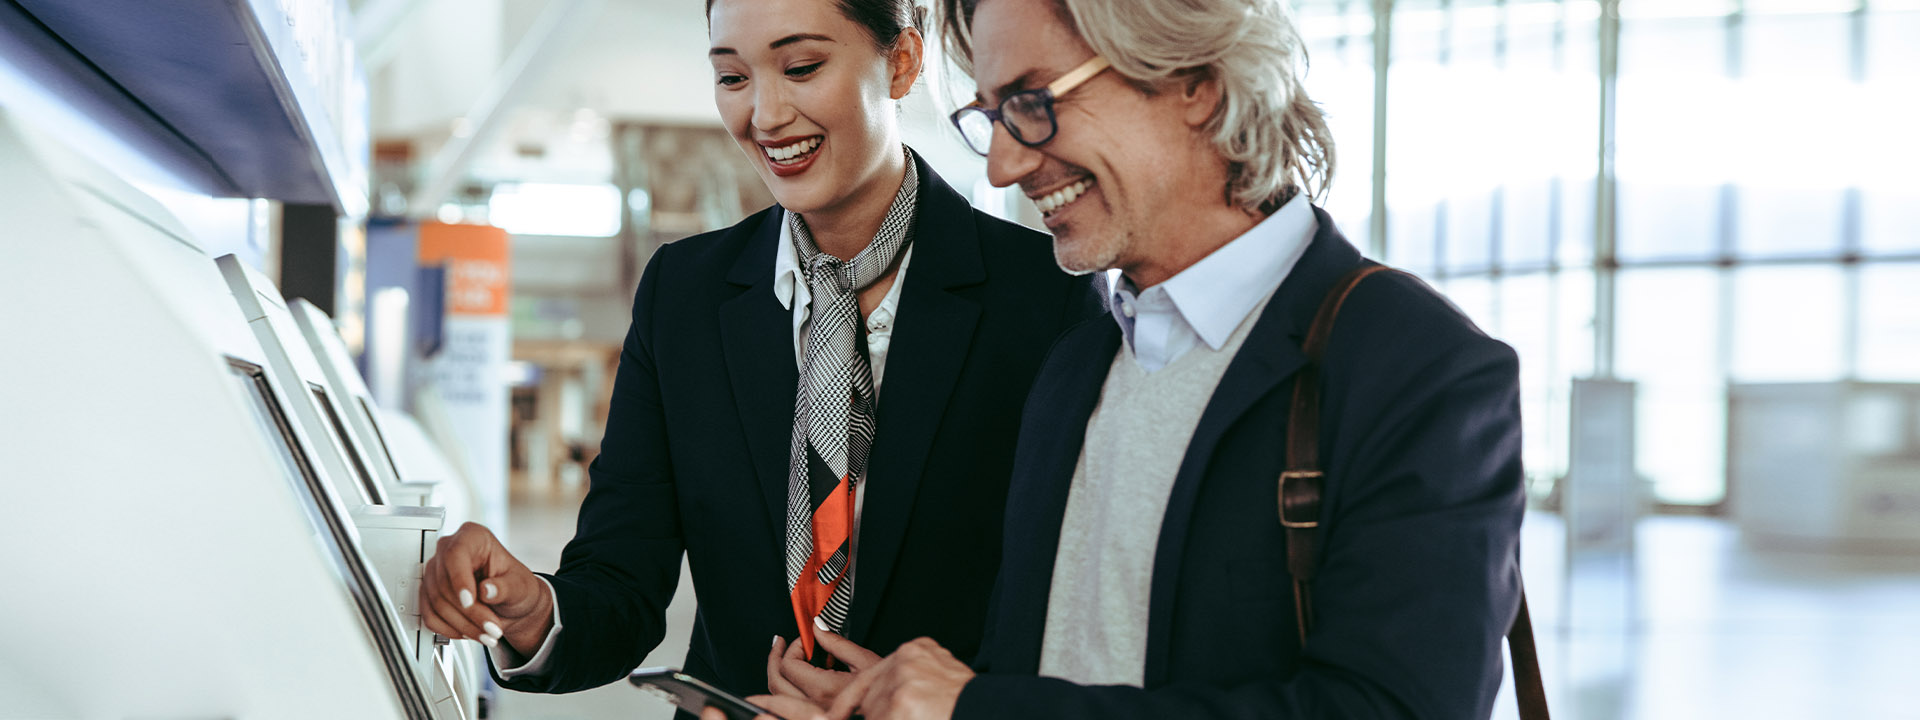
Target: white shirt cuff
510	665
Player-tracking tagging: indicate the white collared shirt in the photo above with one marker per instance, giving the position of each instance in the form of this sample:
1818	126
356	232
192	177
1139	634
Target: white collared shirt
1206	301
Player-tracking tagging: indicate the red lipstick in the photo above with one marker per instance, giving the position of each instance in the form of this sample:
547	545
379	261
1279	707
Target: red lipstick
797	165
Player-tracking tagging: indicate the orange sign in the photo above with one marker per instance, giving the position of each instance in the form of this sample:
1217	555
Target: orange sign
476	258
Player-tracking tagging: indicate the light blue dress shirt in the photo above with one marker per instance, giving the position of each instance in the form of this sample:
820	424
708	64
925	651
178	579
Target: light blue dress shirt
1206	301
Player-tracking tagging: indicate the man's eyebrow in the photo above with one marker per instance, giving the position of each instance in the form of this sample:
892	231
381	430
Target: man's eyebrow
775	45
1019	83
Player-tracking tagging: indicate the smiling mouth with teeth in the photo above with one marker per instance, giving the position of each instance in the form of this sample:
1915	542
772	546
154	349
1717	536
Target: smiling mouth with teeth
794	152
1052	202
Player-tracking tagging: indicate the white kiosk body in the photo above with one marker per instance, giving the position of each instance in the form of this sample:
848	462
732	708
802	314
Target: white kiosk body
348	389
396	538
407	531
174	552
315	409
421	459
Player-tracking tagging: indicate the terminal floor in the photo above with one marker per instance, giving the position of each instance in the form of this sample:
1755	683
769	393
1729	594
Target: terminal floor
1720	629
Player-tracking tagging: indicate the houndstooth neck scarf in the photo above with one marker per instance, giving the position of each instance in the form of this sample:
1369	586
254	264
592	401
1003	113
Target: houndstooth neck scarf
833	417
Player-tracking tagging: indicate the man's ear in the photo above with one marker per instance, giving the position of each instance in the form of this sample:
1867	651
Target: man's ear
1199	95
909	52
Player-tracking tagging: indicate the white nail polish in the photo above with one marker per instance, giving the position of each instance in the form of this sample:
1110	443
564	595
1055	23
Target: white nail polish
492	592
488	641
493	630
822	624
466	598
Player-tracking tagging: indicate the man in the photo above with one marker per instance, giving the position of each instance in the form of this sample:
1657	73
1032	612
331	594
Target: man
1145	569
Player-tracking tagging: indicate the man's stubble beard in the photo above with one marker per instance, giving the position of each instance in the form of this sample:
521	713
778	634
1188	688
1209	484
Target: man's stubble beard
1084	255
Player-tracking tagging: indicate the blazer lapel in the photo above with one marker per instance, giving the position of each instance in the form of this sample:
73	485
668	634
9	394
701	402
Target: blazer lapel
934	331
757	336
1052	433
1269	357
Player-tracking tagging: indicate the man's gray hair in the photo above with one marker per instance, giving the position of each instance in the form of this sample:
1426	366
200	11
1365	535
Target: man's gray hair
1274	139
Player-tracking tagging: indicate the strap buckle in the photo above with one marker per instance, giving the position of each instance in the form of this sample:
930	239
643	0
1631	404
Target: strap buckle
1300	508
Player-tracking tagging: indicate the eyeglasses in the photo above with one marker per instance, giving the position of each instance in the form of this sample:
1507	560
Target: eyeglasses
1028	114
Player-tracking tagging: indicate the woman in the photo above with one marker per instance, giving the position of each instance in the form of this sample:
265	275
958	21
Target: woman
749	412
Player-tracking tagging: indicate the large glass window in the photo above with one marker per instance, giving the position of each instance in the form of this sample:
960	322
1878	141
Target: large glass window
1531	116
1890	322
1884	150
1765	219
1668	341
1672	149
1574	114
1339	35
1790	200
1530	332
1786	323
1573	340
1420	117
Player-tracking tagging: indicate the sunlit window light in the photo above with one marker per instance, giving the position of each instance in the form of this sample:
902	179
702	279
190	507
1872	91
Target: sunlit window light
1642	9
1801	7
555	209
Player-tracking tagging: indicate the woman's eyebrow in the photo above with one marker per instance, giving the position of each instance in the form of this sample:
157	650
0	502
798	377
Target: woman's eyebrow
777	44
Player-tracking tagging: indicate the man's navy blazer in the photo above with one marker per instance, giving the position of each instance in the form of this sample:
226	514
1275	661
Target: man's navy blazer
695	453
1419	575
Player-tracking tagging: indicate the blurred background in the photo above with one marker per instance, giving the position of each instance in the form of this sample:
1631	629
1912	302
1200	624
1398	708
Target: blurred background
1698	221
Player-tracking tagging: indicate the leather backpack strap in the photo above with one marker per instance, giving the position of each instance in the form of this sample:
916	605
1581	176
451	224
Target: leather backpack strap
1302	481
1528	690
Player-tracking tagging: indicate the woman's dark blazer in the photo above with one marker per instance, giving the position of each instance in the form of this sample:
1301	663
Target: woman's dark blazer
695	454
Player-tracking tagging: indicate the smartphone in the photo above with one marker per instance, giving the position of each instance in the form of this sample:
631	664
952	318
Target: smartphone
690	694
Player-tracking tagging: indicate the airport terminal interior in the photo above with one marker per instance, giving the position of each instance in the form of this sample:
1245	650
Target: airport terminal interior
291	288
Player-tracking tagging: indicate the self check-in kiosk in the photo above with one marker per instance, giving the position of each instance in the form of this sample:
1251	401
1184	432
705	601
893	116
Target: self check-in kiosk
399	525
349	390
316	409
175	547
396	539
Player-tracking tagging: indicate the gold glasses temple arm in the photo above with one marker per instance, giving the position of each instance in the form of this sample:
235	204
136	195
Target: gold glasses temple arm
1078	75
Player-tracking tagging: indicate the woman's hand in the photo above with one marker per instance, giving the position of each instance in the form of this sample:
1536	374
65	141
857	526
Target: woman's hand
790	675
474	589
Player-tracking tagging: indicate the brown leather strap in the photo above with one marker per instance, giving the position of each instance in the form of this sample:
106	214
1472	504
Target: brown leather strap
1303	440
1302	481
1528	690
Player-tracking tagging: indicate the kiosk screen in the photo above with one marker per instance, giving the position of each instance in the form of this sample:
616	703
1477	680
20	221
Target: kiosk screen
369	488
378	436
337	538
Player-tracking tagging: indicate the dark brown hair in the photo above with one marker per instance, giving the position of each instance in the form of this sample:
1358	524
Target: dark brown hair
883	20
